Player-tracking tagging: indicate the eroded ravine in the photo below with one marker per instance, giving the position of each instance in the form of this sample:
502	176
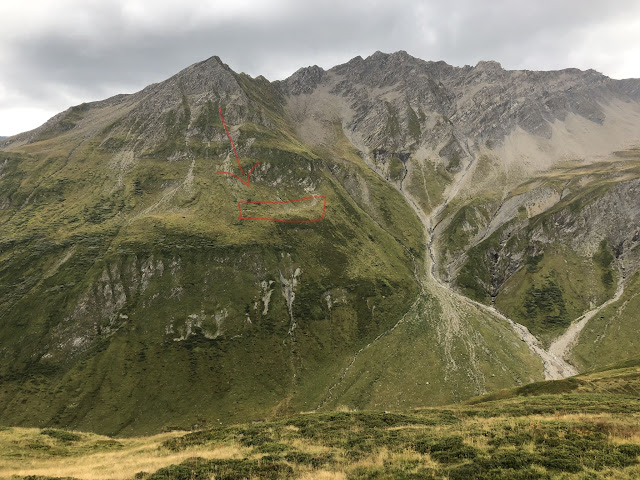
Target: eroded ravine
562	346
555	366
554	359
430	285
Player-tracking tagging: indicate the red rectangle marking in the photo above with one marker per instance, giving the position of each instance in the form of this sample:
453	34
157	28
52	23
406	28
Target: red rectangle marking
276	211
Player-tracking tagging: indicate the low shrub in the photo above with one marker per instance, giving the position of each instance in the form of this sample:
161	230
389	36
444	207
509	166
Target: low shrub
63	436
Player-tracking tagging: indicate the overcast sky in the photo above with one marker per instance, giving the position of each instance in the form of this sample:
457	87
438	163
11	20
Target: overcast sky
58	53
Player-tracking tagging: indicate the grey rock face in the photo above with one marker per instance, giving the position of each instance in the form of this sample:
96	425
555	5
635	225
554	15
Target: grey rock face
304	80
173	105
613	215
401	102
630	87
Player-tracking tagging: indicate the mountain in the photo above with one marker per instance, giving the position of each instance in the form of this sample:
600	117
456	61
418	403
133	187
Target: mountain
463	218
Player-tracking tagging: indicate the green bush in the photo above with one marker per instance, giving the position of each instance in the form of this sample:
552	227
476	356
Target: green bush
546	302
473	471
513	459
603	256
272	447
196	438
533	262
378	473
314	461
396	169
66	437
447	450
564	459
202	469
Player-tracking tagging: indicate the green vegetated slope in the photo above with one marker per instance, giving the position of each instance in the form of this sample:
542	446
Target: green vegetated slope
569	241
621	378
132	298
426	181
582	427
555	287
438	356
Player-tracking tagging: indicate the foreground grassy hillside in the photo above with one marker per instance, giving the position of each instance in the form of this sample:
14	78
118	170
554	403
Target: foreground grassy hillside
583	427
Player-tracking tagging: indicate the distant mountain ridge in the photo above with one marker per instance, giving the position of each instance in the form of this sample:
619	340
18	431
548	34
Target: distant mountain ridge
472	214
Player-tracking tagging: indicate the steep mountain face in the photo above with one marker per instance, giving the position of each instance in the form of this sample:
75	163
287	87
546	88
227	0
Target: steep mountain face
134	298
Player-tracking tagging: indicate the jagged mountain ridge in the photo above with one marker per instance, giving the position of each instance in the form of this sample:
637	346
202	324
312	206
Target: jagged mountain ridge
113	214
485	102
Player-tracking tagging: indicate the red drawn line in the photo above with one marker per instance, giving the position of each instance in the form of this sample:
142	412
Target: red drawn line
246	182
231	140
241	217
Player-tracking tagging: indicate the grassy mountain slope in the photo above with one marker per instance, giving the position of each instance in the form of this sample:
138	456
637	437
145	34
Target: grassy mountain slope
133	298
612	331
583	427
440	353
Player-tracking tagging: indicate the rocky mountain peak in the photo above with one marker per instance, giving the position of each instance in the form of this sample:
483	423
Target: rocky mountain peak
402	103
489	66
399	59
209	75
630	87
398	55
417	100
304	80
380	69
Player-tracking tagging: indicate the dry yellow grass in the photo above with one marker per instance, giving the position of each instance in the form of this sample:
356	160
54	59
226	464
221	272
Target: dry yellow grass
322	475
306	446
358	449
136	455
377	459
